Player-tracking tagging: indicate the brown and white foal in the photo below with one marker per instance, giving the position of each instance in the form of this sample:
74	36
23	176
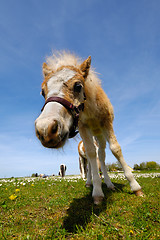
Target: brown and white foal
74	96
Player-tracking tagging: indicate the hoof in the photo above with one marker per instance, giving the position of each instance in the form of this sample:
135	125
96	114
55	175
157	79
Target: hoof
112	187
139	193
88	185
97	200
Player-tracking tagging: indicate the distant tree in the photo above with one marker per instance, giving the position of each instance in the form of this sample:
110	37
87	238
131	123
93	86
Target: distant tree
118	166
114	167
110	167
34	175
142	166
152	165
136	167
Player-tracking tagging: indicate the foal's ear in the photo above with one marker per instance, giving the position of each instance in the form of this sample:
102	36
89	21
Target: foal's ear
46	69
85	66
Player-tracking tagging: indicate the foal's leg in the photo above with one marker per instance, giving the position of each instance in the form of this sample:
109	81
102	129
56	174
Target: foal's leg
82	167
89	176
85	167
117	152
91	156
101	154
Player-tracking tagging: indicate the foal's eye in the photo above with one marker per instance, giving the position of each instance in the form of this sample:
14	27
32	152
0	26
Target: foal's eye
77	87
43	93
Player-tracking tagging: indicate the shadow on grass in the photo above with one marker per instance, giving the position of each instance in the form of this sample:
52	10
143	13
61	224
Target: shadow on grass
81	210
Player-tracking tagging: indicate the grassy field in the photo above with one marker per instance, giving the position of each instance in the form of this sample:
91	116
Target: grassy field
55	208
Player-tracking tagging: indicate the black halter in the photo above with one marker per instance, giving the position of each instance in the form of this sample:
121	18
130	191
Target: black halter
75	111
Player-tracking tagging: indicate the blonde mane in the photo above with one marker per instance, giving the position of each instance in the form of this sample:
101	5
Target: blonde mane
63	58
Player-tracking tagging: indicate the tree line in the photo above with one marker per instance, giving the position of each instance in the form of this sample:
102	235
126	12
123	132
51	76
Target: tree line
142	166
147	166
114	167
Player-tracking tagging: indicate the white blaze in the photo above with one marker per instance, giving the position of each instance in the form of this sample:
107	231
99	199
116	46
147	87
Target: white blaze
52	109
55	83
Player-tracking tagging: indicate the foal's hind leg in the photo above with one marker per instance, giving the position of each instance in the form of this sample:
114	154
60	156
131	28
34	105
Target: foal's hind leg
117	152
101	154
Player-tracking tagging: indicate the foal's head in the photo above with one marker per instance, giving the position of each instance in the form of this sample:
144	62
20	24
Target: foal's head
67	82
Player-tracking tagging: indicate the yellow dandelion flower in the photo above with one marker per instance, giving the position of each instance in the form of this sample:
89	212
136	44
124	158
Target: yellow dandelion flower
6	189
13	197
131	232
32	185
17	190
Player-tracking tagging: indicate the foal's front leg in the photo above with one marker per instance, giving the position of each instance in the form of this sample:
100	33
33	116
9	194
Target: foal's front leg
87	138
101	154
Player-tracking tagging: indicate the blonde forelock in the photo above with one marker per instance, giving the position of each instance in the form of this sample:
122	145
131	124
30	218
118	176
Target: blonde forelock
65	58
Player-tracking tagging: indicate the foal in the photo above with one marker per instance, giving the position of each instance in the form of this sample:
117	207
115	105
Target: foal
74	96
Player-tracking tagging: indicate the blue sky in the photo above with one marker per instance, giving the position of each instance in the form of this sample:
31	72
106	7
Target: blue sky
123	38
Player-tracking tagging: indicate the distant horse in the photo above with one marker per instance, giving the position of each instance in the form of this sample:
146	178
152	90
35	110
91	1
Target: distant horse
74	97
62	170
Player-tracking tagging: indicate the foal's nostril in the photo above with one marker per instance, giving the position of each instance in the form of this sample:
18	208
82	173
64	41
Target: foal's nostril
37	133
41	138
54	128
48	132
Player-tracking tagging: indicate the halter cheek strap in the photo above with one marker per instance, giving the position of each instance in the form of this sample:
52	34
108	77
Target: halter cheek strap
75	111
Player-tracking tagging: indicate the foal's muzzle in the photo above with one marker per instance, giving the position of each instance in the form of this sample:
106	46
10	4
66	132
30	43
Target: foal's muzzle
74	110
51	135
52	132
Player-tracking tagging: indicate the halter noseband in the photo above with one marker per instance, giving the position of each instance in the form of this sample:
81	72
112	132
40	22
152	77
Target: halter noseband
75	111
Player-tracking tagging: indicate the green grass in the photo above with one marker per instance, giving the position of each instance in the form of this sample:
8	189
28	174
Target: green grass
63	209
